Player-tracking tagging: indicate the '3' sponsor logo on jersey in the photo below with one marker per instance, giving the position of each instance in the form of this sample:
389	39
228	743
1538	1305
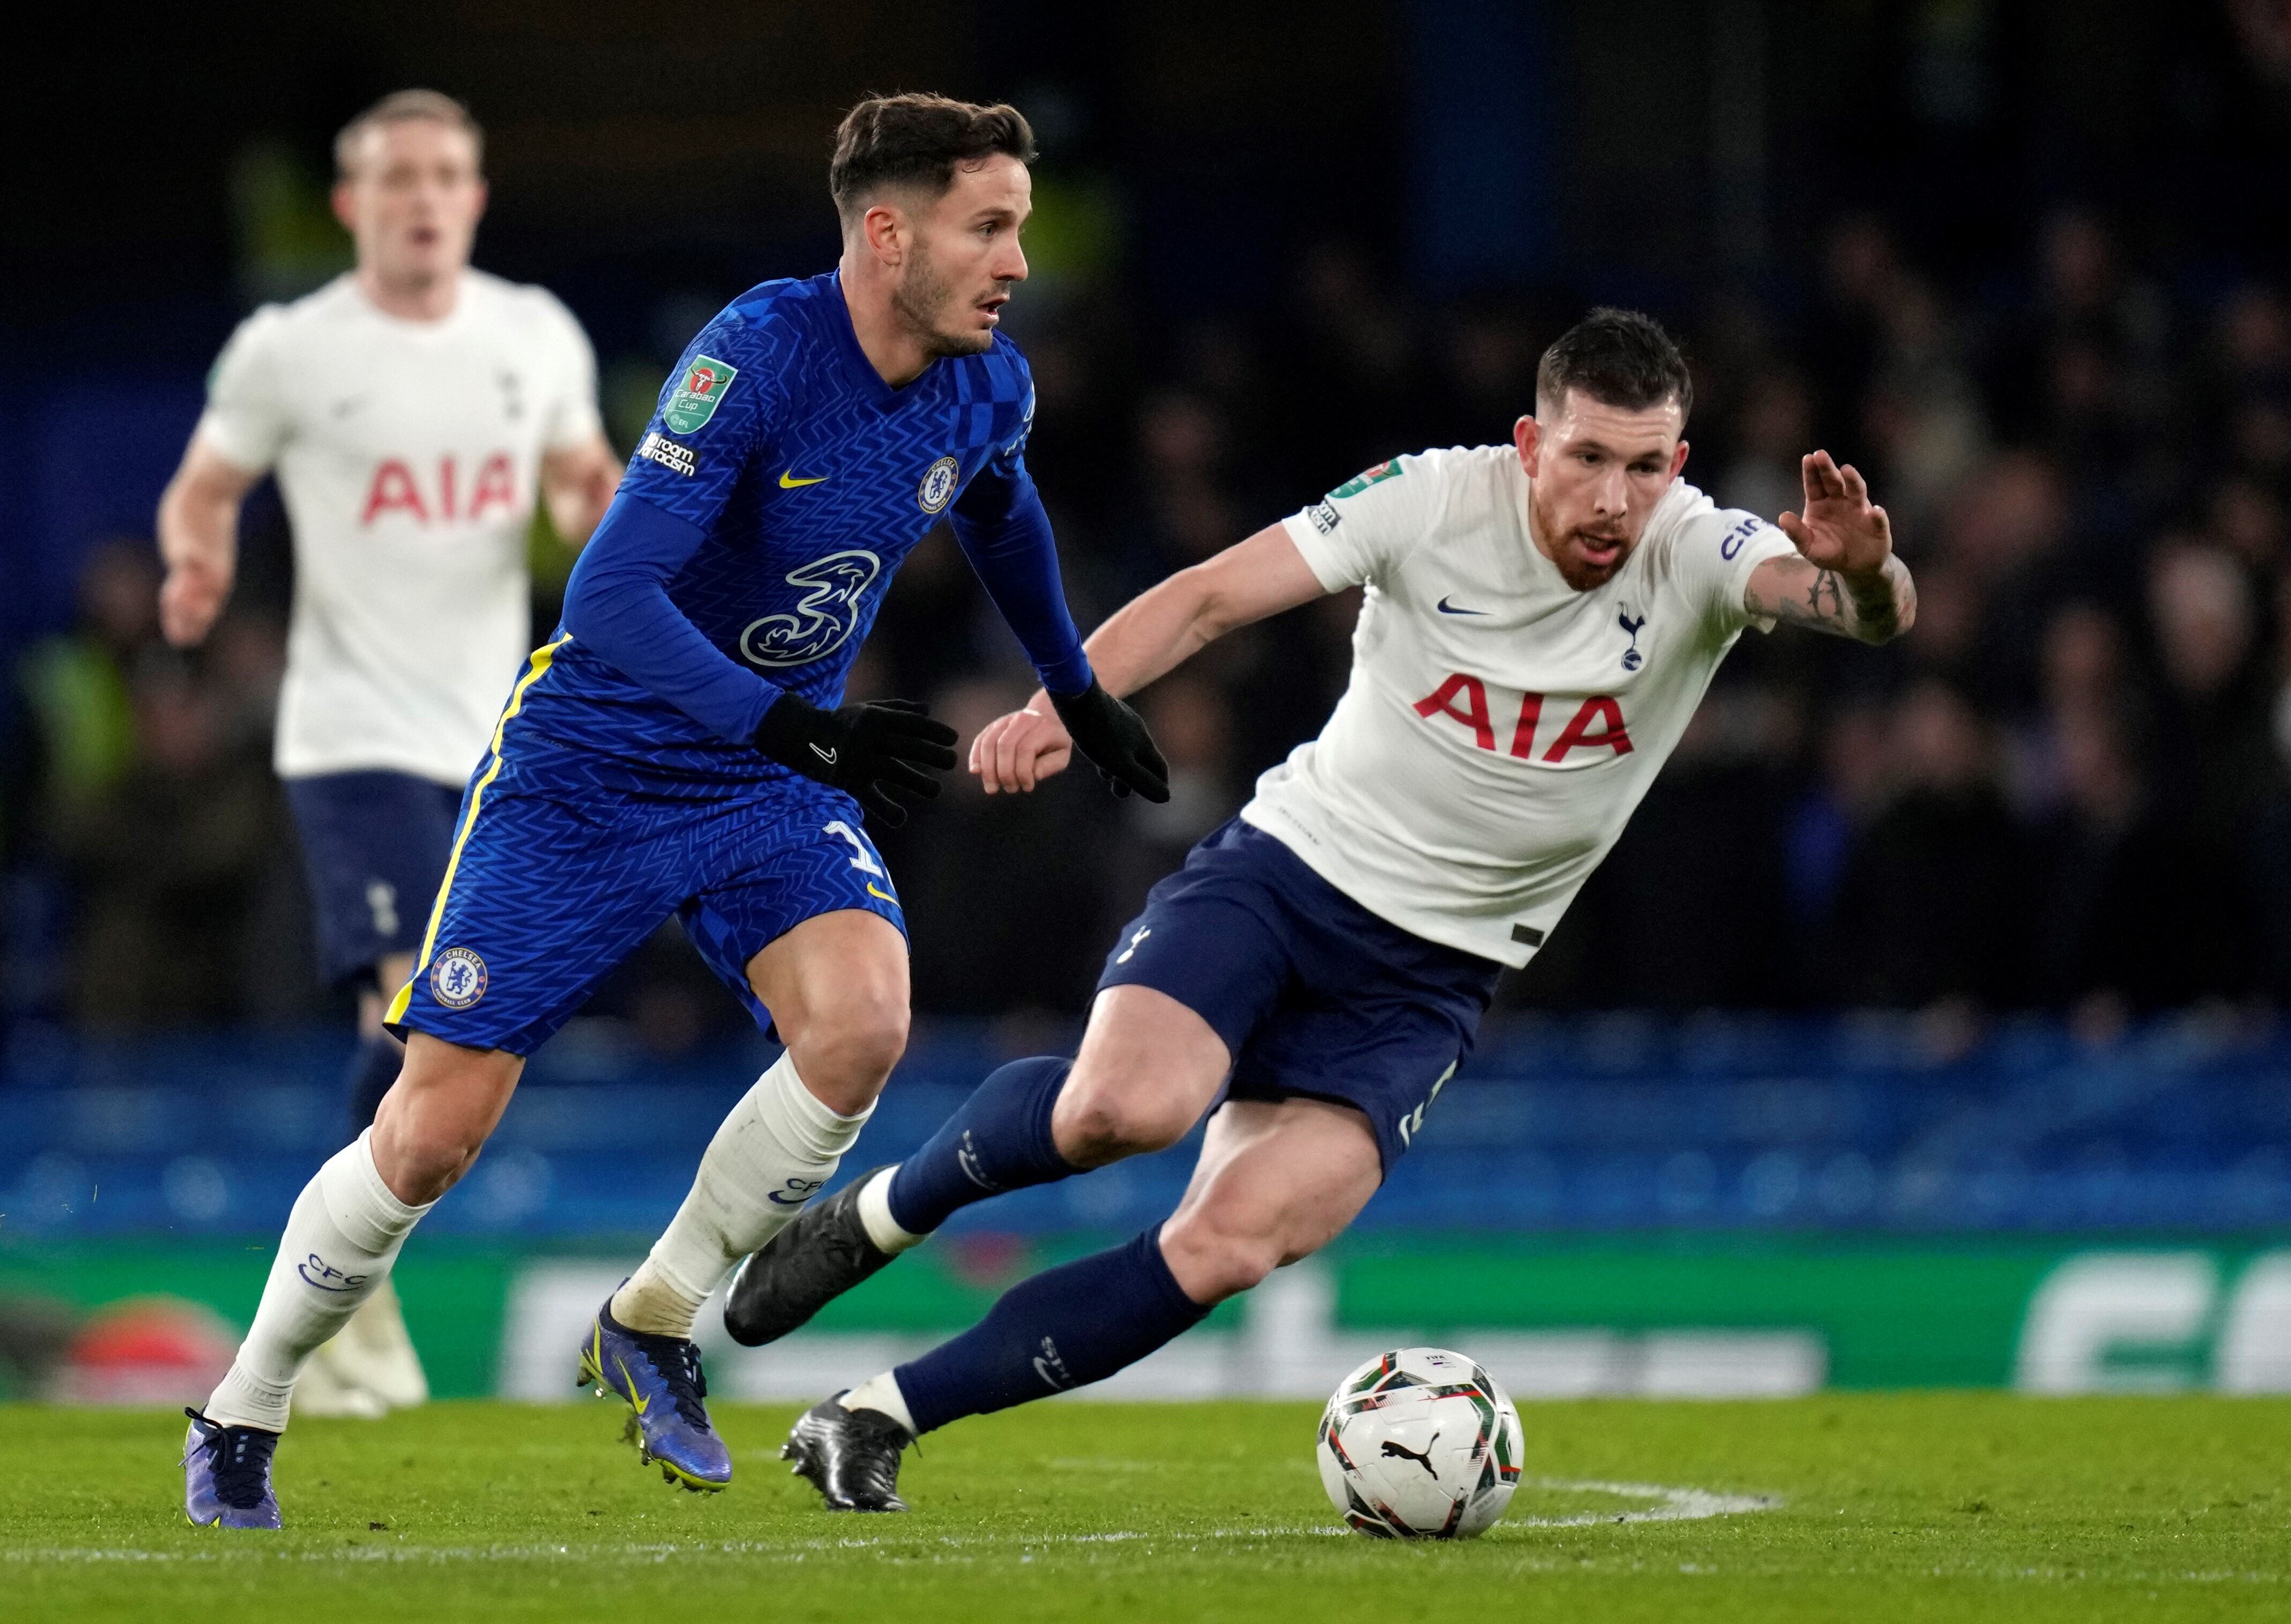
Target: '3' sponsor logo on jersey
823	618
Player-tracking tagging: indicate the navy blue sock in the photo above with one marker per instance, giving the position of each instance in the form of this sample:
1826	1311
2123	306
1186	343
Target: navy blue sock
1065	1328
375	1067
998	1139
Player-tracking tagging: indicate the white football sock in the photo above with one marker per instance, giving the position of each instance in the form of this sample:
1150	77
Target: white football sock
881	1392
875	1214
772	1153
341	1239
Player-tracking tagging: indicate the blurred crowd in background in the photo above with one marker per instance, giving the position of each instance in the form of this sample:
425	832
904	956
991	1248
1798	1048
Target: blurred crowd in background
2069	788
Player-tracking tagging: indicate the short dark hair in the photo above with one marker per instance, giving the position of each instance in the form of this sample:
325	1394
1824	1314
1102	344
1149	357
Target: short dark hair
916	141
397	106
1618	358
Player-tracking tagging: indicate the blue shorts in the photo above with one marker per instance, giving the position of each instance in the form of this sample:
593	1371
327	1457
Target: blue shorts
1312	994
375	845
556	875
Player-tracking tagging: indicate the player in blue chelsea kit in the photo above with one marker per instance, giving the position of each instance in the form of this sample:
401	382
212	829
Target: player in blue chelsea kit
679	746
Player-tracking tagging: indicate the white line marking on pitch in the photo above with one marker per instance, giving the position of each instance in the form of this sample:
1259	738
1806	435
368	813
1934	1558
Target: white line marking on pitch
1673	1506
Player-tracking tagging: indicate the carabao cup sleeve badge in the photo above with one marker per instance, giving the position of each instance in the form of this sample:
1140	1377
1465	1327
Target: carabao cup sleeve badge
694	399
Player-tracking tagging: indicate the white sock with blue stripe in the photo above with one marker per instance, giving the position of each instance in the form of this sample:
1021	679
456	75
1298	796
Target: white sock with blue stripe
775	1151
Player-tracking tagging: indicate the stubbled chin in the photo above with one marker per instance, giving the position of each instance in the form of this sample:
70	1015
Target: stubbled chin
1584	575
976	341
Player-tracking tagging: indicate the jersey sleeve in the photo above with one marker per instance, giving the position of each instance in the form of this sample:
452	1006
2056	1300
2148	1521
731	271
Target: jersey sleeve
721	409
573	419
617	603
1004	530
246	416
1365	527
1713	551
718	411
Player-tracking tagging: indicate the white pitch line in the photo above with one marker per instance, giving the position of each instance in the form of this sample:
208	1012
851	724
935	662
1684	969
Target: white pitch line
1675	1505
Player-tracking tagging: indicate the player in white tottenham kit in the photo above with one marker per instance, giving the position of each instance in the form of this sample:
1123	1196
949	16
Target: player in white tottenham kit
410	410
1539	621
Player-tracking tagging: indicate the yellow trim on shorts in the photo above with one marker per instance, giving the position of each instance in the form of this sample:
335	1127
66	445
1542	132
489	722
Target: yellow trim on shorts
535	667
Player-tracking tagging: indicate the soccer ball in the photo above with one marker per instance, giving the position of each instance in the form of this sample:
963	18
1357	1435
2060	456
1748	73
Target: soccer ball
1419	1444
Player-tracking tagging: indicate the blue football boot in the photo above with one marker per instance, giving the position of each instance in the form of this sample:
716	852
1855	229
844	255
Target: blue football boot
660	1378
227	1475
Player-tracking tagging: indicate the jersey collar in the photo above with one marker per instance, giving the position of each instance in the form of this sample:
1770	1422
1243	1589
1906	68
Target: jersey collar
856	366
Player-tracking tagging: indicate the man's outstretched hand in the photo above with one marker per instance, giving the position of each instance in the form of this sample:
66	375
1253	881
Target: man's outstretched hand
1115	740
1841	528
1844	579
885	756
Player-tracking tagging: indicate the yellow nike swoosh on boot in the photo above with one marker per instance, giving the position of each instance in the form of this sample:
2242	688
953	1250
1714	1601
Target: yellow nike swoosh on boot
638	1405
788	481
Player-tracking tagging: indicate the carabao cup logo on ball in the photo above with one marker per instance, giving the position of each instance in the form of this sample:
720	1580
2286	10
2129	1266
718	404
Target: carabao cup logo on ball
457	978
693	402
823	619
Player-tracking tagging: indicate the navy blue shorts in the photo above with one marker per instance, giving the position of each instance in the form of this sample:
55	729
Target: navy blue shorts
375	845
555	876
1312	994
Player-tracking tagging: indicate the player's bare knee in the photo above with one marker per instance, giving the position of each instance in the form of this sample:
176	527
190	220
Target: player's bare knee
848	1047
1100	1119
431	1126
1214	1256
421	1152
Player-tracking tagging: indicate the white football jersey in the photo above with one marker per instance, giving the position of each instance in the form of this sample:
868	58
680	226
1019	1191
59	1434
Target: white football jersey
1499	727
408	455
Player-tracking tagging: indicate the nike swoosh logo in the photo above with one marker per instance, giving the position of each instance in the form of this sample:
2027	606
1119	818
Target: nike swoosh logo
788	481
1447	608
875	891
639	1404
823	753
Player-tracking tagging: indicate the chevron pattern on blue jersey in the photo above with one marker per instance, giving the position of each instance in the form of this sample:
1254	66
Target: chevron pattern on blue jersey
551	888
814	479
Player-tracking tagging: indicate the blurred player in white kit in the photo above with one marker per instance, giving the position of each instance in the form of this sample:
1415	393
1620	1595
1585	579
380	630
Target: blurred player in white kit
411	410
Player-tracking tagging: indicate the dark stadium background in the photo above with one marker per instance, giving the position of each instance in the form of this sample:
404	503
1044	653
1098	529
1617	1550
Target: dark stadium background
1934	968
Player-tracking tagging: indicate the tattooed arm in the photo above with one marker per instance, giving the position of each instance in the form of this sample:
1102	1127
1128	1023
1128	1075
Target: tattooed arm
1846	579
1799	593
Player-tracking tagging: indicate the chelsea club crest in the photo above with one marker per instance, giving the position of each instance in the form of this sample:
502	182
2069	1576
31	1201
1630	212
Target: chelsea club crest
457	979
937	486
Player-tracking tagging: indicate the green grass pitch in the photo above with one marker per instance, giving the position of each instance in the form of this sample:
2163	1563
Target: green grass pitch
1954	1507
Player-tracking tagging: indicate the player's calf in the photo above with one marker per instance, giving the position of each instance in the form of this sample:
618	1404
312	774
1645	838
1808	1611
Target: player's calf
1149	1067
435	1119
998	1139
837	987
1214	1262
1277	1182
823	1253
1103	1118
776	1150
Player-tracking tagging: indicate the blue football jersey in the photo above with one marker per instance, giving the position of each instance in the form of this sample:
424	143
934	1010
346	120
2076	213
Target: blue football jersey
811	480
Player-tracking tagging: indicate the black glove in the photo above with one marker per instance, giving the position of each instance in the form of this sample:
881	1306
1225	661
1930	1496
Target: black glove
1109	733
876	753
